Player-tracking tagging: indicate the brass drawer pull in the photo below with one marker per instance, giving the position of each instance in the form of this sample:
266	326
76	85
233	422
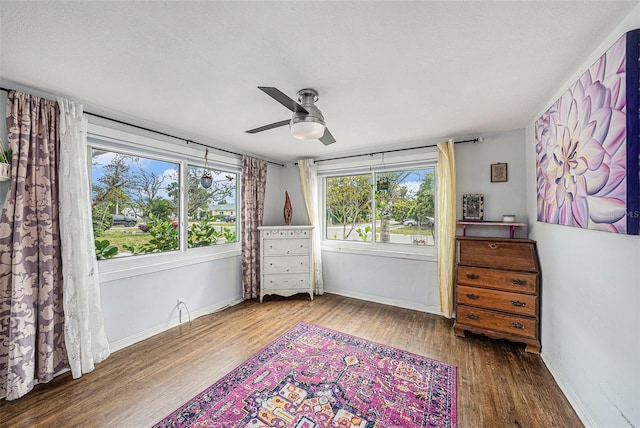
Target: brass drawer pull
473	276
519	282
517	325
493	246
518	303
474	296
472	316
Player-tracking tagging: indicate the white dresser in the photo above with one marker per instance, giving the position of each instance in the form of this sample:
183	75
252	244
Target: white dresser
285	260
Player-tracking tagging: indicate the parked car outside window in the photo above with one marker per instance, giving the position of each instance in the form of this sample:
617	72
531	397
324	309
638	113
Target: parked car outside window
129	221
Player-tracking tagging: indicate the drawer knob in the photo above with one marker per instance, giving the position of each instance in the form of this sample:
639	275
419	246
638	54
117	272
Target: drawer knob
518	303
473	276
472	316
474	296
518	281
493	246
517	325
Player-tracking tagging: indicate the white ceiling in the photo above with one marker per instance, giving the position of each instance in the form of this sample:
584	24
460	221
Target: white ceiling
389	73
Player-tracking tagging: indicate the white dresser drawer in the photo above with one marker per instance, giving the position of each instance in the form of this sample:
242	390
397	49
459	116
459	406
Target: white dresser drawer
291	264
284	233
286	246
294	281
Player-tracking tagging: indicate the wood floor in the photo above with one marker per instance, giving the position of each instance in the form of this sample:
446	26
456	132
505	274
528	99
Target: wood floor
499	385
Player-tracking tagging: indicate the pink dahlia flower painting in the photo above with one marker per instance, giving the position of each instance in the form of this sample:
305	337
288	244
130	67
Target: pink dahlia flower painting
587	146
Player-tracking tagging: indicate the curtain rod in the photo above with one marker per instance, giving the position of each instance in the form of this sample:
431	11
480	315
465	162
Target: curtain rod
159	132
473	140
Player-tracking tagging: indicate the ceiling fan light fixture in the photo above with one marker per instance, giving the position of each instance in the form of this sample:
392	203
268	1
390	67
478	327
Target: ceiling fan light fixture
307	130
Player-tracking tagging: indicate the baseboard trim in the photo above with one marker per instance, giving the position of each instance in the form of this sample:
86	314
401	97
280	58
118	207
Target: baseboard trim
384	300
128	341
568	392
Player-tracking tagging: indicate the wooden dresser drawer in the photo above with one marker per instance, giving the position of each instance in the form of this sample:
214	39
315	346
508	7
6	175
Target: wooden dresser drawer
521	282
516	303
515	254
497	321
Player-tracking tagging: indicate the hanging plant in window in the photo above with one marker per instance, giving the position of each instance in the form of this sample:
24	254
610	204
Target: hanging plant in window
206	180
383	184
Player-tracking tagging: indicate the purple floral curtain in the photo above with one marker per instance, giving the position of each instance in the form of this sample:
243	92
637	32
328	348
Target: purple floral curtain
254	179
32	344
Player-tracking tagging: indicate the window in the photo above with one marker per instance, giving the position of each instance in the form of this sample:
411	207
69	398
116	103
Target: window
389	207
141	206
211	211
132	196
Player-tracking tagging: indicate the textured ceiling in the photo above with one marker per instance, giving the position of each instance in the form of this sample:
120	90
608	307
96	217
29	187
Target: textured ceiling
389	73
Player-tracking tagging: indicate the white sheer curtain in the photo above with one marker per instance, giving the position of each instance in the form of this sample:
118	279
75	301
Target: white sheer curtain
446	184
309	180
84	332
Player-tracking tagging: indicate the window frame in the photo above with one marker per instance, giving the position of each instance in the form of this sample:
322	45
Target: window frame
175	151
420	159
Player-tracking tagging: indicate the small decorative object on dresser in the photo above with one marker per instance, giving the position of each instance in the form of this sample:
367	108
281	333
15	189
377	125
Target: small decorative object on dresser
498	289
288	211
285	260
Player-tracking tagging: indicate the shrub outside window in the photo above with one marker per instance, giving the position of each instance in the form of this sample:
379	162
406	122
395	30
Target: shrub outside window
390	207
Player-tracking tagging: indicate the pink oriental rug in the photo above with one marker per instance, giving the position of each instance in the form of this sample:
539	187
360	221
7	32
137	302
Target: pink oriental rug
312	377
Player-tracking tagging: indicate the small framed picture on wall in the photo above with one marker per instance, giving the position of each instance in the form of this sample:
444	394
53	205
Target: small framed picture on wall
473	206
498	172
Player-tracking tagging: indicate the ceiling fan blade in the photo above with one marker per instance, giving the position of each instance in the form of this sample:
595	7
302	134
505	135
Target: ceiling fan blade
327	138
283	99
270	126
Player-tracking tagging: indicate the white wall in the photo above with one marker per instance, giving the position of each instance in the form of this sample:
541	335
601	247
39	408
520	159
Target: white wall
473	166
279	180
590	299
140	306
383	278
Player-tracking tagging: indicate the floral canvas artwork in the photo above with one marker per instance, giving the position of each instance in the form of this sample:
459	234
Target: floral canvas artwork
587	146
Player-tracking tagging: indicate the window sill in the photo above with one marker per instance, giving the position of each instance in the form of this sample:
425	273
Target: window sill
127	267
398	251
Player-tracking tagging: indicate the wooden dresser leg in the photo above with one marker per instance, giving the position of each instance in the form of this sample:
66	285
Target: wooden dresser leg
533	348
458	331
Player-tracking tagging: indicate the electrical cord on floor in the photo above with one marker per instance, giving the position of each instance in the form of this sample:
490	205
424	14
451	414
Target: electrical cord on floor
188	312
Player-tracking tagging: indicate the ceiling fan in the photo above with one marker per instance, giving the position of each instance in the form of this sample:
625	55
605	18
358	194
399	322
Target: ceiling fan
306	123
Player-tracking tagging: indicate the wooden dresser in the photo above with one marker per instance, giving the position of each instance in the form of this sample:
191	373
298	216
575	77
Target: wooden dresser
285	260
498	289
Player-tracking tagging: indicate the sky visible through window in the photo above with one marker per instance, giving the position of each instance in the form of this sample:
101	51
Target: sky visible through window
166	170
